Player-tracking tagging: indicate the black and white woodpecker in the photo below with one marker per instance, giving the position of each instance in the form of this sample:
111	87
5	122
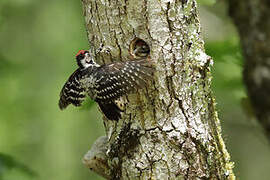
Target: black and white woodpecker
104	83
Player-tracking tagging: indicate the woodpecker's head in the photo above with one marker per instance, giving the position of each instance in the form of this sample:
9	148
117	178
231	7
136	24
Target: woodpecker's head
84	59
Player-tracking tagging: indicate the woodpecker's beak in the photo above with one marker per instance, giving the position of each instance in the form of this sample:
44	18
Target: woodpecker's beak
87	58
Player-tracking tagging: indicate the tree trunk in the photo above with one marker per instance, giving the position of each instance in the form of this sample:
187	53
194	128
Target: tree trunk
171	129
252	18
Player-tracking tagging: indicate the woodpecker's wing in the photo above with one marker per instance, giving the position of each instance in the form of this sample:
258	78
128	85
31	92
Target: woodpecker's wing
119	78
72	92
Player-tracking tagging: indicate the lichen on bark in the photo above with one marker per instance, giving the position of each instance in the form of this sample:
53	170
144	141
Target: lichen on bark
169	130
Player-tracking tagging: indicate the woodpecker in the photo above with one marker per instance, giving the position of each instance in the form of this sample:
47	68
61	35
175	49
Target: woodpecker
104	83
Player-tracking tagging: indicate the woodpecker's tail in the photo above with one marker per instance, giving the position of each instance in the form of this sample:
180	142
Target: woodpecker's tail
111	110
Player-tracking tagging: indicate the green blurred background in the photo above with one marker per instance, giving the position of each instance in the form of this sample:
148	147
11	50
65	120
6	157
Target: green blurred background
38	41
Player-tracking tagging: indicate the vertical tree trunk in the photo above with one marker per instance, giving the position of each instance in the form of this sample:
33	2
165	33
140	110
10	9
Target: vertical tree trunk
169	130
252	18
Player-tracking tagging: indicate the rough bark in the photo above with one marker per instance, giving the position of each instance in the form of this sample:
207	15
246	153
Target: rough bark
252	19
171	129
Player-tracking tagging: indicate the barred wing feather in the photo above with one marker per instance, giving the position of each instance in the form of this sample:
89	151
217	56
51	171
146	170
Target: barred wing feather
120	78
72	92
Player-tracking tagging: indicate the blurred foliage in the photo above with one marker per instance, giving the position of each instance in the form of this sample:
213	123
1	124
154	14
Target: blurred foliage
5	65
87	104
38	42
8	163
227	53
207	2
221	50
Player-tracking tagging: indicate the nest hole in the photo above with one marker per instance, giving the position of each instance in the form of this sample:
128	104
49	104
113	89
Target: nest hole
138	48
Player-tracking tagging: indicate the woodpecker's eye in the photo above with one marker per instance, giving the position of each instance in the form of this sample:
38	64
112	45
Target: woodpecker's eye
81	54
